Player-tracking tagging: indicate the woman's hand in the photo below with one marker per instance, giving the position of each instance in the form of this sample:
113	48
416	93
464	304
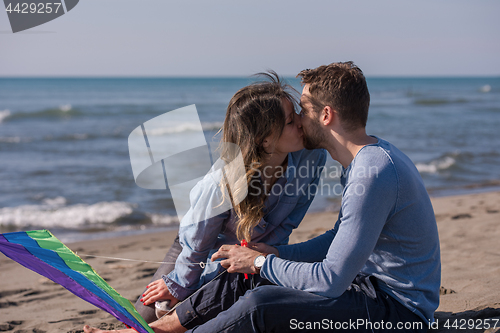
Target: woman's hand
158	291
264	248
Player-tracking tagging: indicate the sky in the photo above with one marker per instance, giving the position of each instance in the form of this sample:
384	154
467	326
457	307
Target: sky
238	38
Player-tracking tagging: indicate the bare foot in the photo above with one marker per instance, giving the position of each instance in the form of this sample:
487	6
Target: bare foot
166	324
88	329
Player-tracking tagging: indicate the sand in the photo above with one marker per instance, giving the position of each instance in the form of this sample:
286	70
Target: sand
469	231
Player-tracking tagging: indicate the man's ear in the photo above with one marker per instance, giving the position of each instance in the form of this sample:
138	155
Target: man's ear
327	115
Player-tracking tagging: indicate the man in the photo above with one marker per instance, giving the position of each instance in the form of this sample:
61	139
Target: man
379	268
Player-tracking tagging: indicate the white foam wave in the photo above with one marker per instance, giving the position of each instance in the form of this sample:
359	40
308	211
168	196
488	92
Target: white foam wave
159	219
185	127
485	89
215	126
65	108
10	139
55	202
4	114
436	165
53	213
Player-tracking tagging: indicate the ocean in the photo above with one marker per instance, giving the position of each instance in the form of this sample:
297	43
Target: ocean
64	158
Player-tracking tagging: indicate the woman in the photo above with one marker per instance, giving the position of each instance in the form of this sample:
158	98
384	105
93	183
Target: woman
262	122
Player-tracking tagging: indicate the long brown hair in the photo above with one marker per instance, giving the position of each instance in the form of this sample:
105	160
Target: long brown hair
254	113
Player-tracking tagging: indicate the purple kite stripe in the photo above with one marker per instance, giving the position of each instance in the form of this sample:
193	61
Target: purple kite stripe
19	254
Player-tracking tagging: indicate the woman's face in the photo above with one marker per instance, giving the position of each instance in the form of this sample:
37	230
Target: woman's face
291	138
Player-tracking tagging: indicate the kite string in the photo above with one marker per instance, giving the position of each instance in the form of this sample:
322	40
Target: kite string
201	263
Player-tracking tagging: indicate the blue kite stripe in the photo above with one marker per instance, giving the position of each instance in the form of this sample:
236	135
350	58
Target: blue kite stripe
51	258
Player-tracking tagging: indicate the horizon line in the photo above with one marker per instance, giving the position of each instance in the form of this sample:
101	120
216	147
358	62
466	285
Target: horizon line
493	76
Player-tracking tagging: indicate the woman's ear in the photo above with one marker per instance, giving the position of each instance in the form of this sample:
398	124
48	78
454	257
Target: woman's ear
266	143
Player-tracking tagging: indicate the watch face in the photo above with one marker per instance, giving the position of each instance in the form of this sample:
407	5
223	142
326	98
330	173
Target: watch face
259	261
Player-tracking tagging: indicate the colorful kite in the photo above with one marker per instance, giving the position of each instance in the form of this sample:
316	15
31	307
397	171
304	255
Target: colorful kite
43	253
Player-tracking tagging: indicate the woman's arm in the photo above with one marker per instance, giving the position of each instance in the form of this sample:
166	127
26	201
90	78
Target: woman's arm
197	235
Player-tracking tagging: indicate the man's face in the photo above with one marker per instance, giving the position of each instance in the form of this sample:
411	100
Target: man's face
314	137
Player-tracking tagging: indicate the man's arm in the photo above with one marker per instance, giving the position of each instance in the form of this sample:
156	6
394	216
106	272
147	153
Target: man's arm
363	217
312	250
366	206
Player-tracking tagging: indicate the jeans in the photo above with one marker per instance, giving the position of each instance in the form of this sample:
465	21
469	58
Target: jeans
216	296
363	307
148	312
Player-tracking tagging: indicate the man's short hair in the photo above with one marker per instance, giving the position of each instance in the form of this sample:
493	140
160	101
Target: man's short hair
342	86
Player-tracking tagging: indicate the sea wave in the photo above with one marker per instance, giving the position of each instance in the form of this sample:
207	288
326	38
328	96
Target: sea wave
213	126
440	164
11	139
185	127
485	89
4	114
54	213
63	111
68	137
439	101
181	128
76	137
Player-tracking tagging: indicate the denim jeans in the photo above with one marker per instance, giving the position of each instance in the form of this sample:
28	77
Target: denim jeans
216	296
361	308
148	312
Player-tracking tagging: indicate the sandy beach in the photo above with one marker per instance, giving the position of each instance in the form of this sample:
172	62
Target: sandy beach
469	232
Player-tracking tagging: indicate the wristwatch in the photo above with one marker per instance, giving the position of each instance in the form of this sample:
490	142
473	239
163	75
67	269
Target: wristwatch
259	261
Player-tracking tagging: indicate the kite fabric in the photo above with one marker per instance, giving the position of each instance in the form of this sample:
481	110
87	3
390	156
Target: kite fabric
43	253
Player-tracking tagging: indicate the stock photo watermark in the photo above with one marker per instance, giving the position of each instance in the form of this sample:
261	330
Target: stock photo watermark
354	324
26	14
163	158
364	324
327	185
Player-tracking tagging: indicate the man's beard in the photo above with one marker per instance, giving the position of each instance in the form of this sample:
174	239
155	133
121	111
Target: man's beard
314	138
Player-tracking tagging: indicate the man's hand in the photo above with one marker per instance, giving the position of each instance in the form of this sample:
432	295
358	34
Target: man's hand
158	291
264	248
239	259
